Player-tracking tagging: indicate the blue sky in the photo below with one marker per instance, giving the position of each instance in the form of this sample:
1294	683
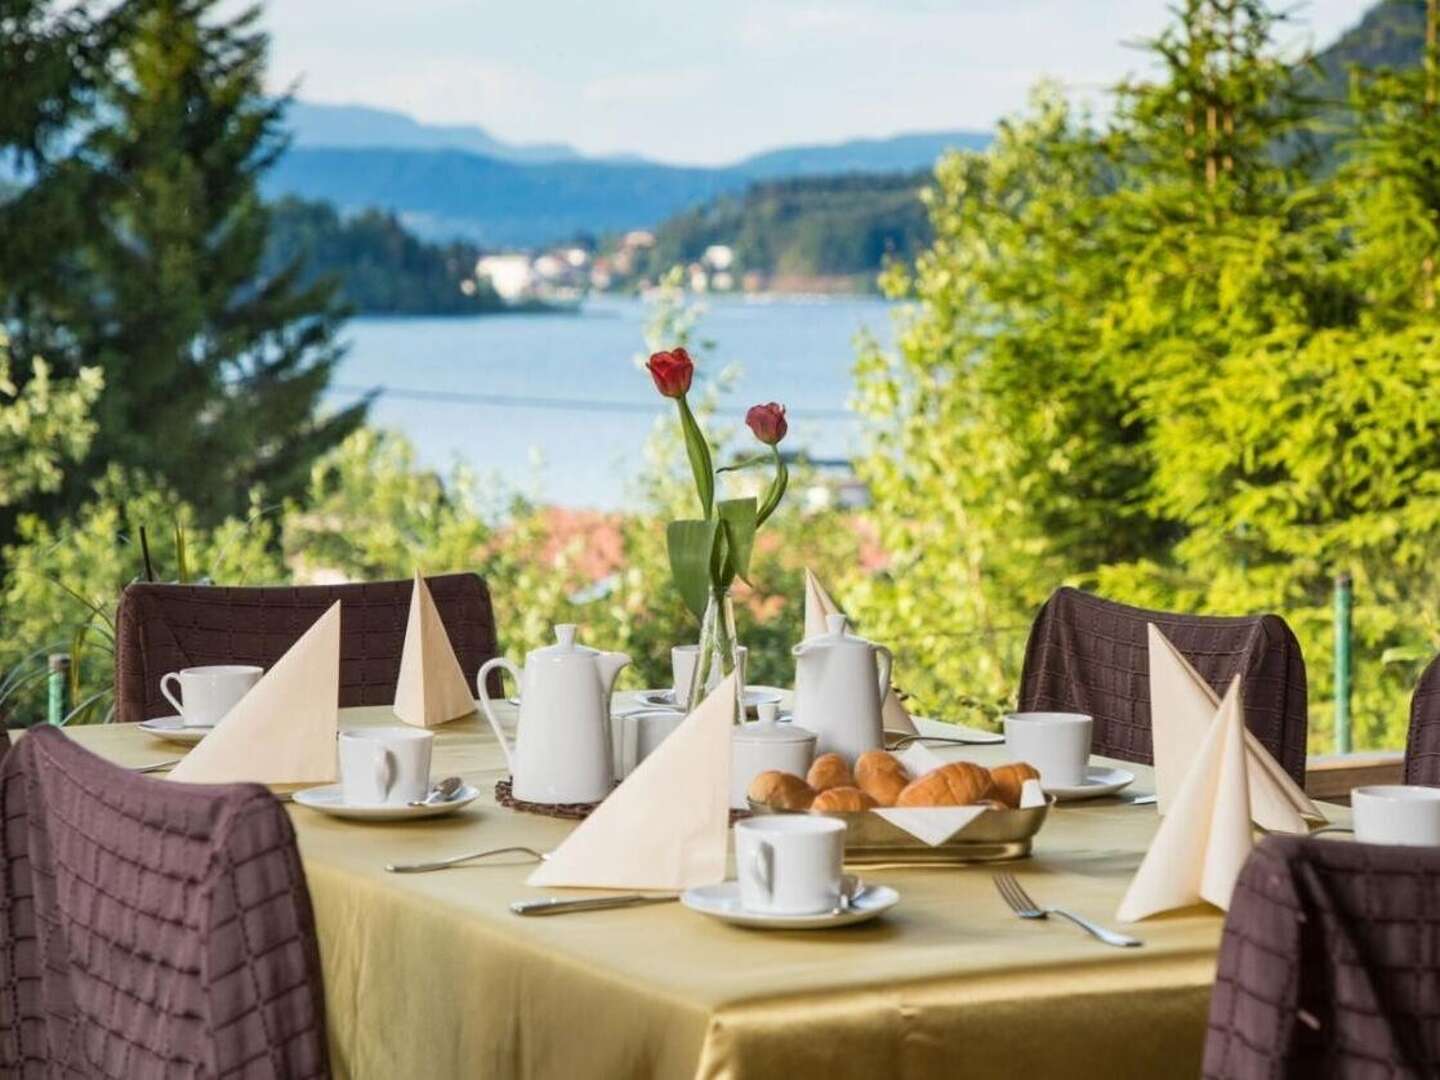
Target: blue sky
708	81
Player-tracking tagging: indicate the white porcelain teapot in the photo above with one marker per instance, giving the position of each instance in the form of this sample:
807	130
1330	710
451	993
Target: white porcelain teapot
840	683
562	751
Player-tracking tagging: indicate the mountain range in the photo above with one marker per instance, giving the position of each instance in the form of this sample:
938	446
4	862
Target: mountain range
451	181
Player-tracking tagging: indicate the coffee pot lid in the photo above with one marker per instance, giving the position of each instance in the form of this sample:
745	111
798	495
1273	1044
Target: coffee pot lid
565	644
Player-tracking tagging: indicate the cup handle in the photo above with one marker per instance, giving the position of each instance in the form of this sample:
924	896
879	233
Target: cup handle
886	662
485	702
384	765
165	690
630	745
762	868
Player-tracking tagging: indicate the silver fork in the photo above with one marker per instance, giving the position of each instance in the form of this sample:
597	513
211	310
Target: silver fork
157	766
1021	903
456	860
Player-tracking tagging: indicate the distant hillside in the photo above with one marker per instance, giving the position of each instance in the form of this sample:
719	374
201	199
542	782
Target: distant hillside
461	182
805	229
901	153
352	126
382	268
1390	34
445	194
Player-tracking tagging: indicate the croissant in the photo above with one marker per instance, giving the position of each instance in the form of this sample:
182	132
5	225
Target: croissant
960	783
829	771
842	799
781	791
881	776
1009	779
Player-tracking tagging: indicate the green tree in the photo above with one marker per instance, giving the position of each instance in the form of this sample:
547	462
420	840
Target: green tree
214	370
44	426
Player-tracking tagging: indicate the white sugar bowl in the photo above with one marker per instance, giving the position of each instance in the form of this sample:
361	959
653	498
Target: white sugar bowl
765	745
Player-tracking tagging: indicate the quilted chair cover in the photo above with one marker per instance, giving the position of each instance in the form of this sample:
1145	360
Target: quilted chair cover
167	627
1422	746
1329	965
1091	655
150	929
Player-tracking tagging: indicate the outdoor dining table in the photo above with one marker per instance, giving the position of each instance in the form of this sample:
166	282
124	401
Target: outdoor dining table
431	975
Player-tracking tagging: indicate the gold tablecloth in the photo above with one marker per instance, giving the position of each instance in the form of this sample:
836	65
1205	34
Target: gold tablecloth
431	976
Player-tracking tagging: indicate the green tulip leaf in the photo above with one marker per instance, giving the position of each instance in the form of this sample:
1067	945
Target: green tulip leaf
692	545
740	519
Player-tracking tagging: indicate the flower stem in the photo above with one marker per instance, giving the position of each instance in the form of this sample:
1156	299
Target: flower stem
700	461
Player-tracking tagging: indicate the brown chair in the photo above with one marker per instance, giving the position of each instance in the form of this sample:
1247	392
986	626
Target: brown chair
166	627
1422	744
148	928
1091	655
1329	964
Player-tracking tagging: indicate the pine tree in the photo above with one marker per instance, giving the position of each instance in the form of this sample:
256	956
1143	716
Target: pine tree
1391	183
214	373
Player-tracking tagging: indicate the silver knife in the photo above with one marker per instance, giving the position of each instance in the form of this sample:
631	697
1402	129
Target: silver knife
554	905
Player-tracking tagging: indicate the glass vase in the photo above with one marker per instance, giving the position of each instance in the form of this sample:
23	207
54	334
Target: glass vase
720	653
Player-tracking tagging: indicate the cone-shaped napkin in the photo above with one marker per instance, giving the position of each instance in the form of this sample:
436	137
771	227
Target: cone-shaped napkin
665	827
818	604
1181	707
432	689
1204	839
282	731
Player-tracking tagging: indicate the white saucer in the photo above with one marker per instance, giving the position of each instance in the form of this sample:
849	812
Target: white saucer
329	800
173	729
722	902
755	696
1099	780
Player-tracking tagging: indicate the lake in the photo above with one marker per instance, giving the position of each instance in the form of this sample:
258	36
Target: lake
555	405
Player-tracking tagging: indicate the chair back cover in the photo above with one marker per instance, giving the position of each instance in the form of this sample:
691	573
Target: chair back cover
150	929
1091	655
1329	965
167	627
1422	745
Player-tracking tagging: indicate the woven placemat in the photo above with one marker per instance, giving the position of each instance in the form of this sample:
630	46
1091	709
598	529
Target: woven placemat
572	811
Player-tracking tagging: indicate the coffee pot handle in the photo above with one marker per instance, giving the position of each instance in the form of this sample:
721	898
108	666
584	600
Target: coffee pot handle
486	702
886	662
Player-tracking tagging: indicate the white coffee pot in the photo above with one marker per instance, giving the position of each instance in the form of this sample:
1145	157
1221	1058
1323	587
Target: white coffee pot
840	683
562	751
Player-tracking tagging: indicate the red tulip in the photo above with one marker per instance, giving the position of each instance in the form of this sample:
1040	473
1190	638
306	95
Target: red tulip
767	422
672	372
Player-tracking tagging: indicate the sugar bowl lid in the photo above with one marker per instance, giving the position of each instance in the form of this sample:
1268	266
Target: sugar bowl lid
769	730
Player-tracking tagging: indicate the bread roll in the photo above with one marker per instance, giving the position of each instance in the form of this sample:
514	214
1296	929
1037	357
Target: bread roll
842	799
781	791
877	761
1009	779
960	783
880	776
829	771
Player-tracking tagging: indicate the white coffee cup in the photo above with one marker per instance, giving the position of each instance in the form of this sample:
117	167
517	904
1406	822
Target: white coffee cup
1397	814
1056	743
385	766
789	864
683	661
208	693
639	734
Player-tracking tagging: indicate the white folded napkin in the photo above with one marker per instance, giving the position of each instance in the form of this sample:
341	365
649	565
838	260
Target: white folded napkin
666	826
1205	838
432	689
818	605
1182	705
283	731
